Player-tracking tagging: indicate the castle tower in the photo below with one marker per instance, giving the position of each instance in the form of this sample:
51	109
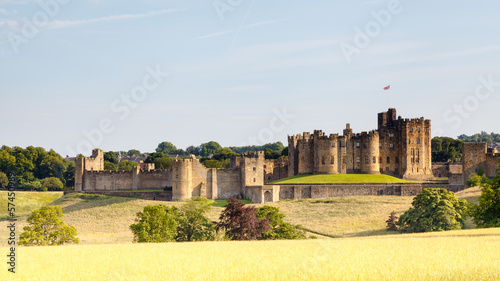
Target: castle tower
93	163
182	177
370	153
252	169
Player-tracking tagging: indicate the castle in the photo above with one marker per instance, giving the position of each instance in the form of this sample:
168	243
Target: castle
399	147
187	178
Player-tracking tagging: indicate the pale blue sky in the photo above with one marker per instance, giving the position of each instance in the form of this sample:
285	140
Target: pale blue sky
230	70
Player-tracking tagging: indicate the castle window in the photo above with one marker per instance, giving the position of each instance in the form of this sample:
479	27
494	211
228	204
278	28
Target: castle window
255	169
411	130
397	160
264	166
417	169
374	160
357	144
418	130
332	159
391	145
418	160
357	160
409	141
343	159
412	152
391	135
364	145
323	160
380	145
380	160
342	144
388	160
254	179
333	144
413	160
418	152
367	159
418	141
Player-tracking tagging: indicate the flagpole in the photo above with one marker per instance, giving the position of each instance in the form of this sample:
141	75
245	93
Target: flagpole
389	97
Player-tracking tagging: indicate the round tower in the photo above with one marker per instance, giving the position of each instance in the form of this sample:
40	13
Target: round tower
370	153
182	179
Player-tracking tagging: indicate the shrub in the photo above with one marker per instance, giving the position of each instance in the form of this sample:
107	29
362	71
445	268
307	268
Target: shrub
52	184
241	223
434	209
487	213
278	229
155	224
47	228
475	180
391	222
192	223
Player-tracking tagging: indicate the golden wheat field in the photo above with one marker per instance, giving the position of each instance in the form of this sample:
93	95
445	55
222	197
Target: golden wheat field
453	255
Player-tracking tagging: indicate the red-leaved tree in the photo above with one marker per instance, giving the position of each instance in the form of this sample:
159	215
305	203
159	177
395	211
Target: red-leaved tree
240	222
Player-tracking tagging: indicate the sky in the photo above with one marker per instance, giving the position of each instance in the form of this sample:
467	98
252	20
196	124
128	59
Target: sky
120	75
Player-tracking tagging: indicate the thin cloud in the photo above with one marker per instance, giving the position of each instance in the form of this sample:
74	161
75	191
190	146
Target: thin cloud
264	23
215	34
68	23
261	23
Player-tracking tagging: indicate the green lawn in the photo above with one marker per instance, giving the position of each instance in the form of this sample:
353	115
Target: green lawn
223	202
340	178
27	201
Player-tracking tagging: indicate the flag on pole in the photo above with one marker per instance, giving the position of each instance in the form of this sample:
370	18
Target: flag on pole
387	87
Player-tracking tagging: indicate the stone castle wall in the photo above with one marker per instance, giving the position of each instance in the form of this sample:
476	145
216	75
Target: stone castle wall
475	156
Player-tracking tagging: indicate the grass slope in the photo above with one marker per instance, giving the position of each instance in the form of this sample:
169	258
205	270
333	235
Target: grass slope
26	201
103	219
451	255
340	178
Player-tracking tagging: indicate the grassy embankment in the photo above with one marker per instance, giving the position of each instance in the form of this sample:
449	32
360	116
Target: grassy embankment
103	219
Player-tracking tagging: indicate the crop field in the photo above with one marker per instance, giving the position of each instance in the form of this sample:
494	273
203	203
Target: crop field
452	255
341	178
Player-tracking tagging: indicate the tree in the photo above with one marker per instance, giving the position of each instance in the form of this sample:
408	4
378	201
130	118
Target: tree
47	228
7	161
434	209
134	152
241	223
161	161
487	212
209	148
278	229
127	165
166	148
108	166
391	222
52	184
212	163
69	174
4	180
155	224
271	154
223	154
192	223
445	149
111	157
195	150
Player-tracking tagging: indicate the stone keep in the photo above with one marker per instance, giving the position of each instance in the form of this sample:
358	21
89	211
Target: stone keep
399	147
